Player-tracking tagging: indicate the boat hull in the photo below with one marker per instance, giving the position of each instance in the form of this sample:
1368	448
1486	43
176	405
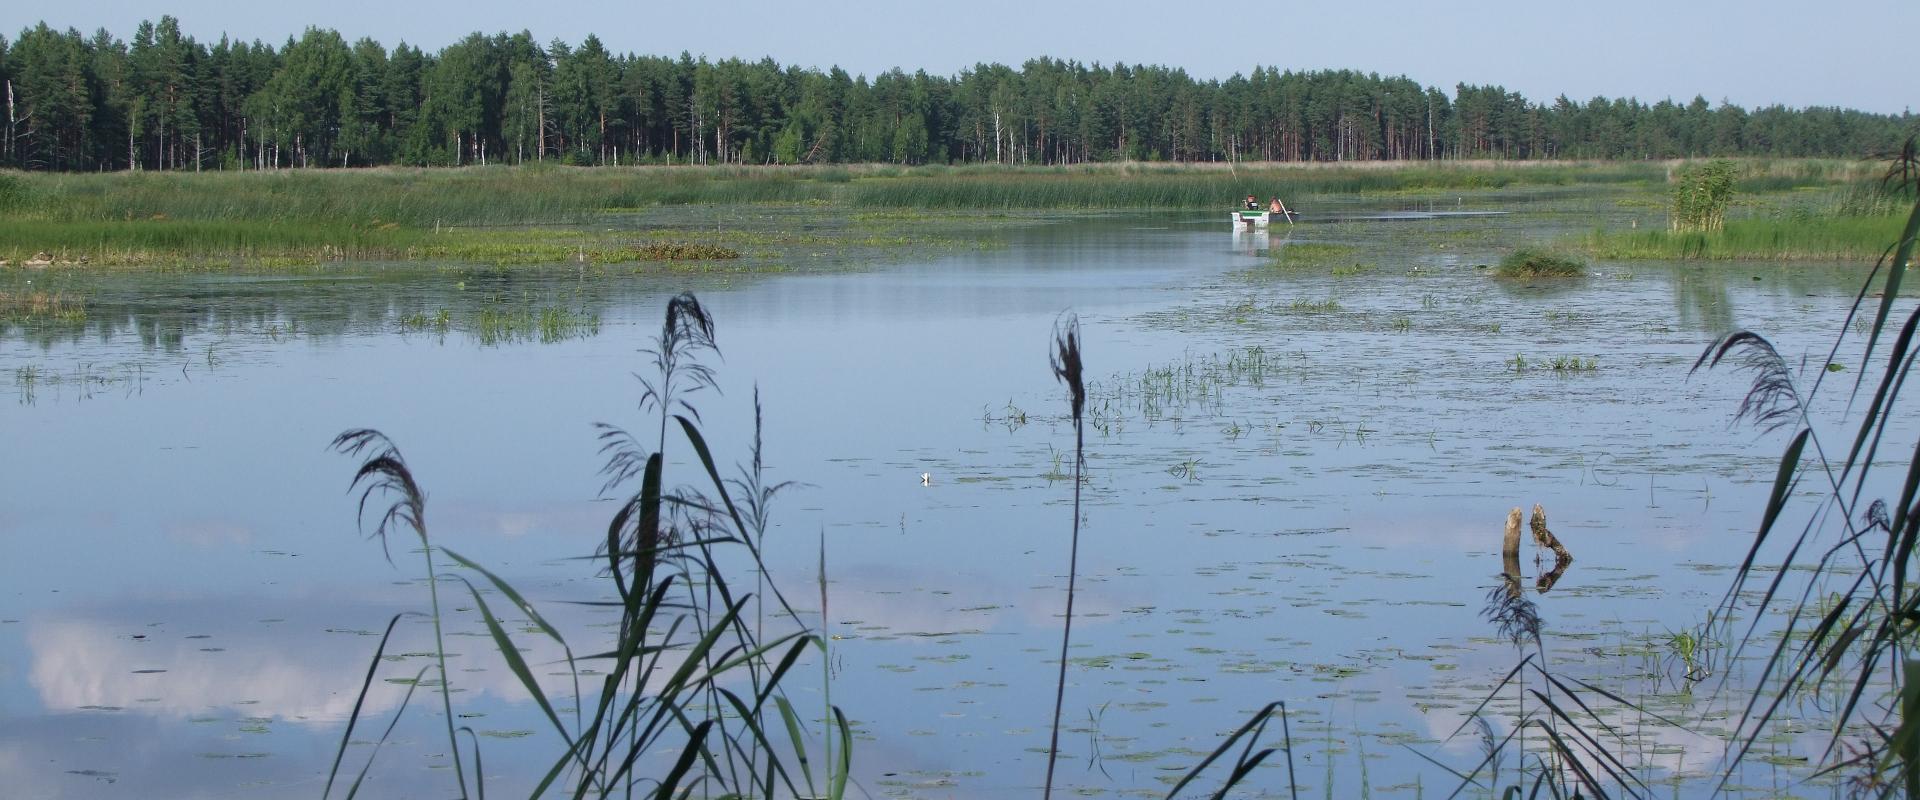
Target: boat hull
1252	219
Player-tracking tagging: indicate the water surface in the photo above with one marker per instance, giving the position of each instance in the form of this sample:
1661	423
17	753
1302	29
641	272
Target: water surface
1295	491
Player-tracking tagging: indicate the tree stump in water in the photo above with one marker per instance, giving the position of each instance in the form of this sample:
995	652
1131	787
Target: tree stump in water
1510	552
1542	536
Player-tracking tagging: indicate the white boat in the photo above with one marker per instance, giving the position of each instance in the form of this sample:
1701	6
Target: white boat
1250	220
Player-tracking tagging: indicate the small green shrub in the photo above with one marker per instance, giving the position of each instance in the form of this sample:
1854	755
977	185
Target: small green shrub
1532	263
1701	194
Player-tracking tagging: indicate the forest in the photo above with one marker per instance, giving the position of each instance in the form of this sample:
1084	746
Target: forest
164	101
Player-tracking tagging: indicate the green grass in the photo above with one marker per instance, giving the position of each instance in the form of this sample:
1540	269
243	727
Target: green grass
546	324
531	215
1311	254
548	195
1181	187
168	242
38	306
1530	262
1813	238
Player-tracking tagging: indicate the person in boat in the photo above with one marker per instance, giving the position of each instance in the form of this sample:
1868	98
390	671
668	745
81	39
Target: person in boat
1253	203
1277	207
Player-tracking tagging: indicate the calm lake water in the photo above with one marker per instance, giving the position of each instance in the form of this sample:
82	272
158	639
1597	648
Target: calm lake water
1296	492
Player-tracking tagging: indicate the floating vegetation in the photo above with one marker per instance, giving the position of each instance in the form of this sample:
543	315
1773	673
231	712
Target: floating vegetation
1560	364
1529	262
1305	306
1012	416
1309	254
1352	269
684	251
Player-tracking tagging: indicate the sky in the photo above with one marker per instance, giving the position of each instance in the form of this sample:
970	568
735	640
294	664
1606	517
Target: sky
1850	53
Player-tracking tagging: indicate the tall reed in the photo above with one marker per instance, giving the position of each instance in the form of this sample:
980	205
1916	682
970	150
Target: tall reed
1068	369
1860	637
669	675
385	473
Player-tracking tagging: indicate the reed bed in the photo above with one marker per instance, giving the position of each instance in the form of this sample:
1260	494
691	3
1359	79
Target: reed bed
554	195
1785	239
34	305
1190	188
527	215
547	325
168	242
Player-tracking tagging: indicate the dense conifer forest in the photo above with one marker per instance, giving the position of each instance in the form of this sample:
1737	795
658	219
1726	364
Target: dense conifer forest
163	101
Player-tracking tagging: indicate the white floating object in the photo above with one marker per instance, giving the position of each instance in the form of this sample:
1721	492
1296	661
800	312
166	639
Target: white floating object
926	479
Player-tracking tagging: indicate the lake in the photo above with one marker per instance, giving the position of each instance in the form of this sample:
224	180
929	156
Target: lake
1297	478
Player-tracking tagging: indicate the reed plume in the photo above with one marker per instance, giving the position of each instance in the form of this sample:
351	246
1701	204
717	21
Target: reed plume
1068	370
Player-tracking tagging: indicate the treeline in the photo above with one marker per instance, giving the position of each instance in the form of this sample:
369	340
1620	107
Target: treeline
165	101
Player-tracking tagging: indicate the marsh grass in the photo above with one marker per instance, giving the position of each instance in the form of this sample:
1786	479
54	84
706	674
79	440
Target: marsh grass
1310	254
494	325
1301	305
1851	620
171	242
1070	371
34	306
507	215
684	251
502	195
1169	187
1810	238
687	669
1529	262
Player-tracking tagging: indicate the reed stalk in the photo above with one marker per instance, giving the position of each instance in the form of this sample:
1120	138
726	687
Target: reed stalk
1068	370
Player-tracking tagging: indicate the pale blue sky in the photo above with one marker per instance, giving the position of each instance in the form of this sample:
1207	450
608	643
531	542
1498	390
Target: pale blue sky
1855	53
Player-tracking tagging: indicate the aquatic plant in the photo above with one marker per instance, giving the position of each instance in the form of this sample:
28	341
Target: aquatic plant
1701	193
494	324
684	251
690	673
1811	238
385	474
34	305
1069	370
1863	637
1302	305
1309	254
1529	262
